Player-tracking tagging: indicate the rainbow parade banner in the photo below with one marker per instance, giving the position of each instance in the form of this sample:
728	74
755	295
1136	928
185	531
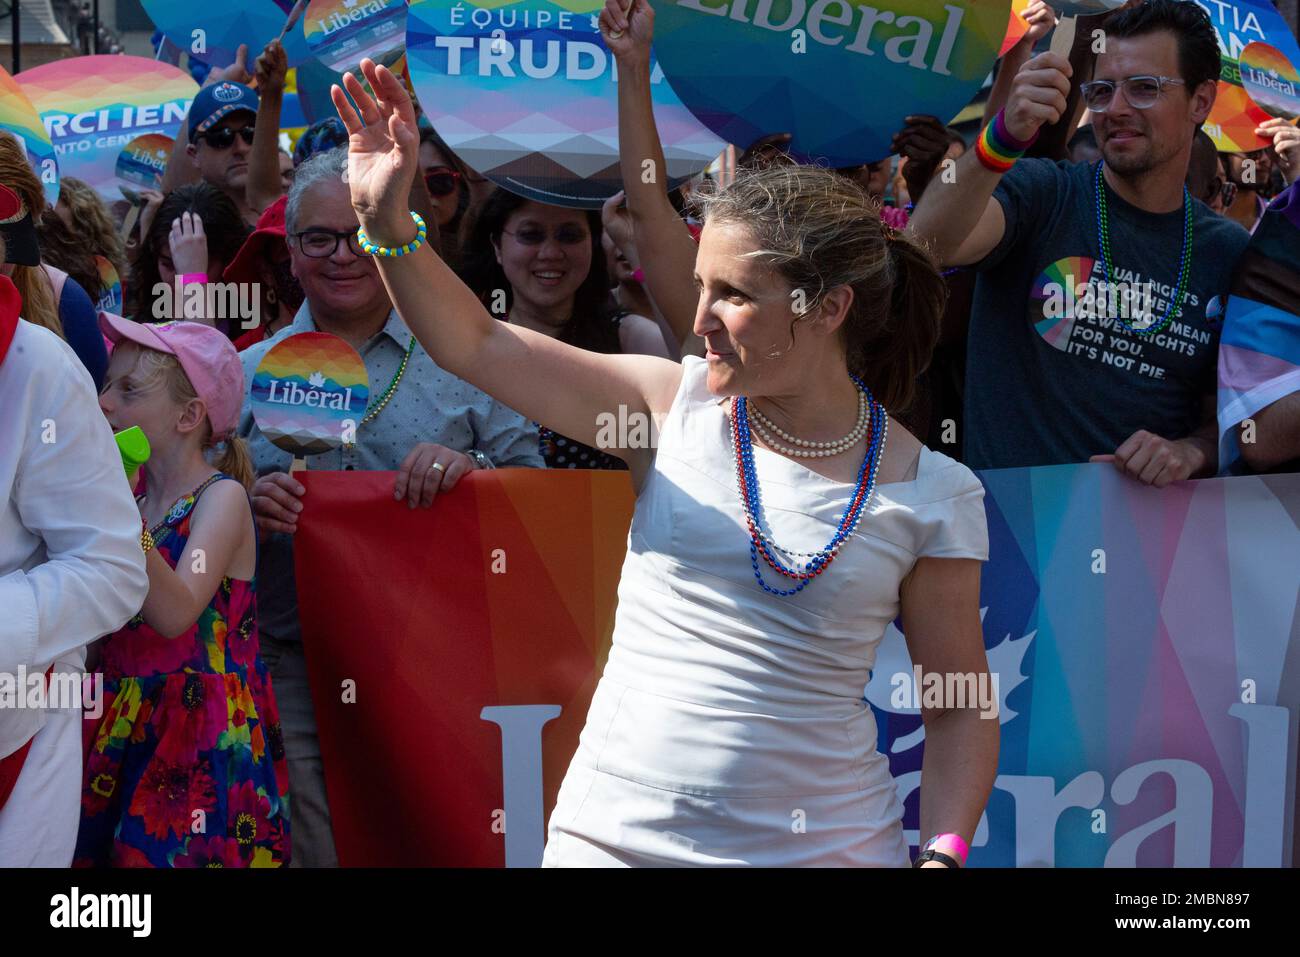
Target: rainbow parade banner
1145	643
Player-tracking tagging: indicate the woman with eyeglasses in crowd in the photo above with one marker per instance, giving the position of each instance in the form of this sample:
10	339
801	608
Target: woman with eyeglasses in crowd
542	267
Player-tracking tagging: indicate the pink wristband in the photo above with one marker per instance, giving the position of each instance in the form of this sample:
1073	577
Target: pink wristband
189	278
954	845
638	275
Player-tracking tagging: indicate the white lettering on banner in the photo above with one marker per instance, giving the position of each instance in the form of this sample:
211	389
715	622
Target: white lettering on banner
582	60
1038	805
818	13
294	394
910	49
521	776
1247	24
1271	81
62	125
337	20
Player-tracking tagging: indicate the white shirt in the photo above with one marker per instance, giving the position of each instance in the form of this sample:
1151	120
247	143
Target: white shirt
725	713
71	566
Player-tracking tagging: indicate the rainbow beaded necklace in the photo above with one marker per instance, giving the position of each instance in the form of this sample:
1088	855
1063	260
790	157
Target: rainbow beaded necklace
1184	257
751	499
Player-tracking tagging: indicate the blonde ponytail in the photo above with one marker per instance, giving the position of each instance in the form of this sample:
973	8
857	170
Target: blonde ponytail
234	458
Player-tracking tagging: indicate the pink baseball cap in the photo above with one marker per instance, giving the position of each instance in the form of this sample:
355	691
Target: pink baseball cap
207	356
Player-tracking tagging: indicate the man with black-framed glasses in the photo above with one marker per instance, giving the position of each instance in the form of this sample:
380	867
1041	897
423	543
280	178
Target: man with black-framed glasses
431	430
1094	331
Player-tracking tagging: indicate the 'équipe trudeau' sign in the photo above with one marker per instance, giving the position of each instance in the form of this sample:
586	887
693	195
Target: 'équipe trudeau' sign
526	95
841	77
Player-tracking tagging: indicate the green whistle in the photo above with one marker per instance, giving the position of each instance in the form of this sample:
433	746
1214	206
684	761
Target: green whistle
134	447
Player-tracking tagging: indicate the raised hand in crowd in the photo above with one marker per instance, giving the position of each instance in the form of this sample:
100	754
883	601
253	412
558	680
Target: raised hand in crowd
428	469
152	200
189	246
1041	19
960	220
236	72
669	273
923	143
1286	144
264	185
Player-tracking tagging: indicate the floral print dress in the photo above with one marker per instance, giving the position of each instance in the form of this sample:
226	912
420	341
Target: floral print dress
186	765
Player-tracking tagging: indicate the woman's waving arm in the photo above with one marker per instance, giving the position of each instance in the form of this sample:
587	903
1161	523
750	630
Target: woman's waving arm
561	386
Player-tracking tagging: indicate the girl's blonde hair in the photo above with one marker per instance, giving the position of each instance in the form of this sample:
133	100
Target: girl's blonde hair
819	230
161	369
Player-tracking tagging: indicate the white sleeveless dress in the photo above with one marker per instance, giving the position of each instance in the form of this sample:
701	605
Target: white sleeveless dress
729	726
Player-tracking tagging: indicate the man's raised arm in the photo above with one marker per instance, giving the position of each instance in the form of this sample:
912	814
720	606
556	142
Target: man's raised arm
959	219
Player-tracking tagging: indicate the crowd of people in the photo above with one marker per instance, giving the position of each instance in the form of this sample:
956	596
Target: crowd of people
885	328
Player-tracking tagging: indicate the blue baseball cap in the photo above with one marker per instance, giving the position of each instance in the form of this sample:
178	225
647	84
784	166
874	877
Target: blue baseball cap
217	101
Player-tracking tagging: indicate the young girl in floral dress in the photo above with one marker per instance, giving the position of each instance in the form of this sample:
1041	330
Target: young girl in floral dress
186	766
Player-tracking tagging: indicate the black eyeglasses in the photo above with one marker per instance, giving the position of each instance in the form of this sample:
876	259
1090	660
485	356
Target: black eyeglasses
534	235
441	181
1140	91
223	137
322	243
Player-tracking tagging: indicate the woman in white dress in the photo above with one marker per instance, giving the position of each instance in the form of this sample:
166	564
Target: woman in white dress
729	726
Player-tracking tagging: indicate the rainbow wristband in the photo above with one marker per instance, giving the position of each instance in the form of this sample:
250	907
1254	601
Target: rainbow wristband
954	845
997	149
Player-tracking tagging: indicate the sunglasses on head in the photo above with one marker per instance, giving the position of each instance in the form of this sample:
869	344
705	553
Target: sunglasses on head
441	181
224	137
566	235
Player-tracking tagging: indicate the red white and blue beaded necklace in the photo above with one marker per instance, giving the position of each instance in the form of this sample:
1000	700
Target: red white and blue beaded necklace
760	541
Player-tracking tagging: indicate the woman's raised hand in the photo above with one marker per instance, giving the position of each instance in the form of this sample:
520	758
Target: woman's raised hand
628	27
383	152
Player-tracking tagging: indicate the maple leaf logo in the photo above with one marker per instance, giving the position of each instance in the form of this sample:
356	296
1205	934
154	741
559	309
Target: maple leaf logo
892	658
316	381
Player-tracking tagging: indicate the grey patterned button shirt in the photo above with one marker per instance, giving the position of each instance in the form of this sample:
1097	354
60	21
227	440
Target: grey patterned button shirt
429	405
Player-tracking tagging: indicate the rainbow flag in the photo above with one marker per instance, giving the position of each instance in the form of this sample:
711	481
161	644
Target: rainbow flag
1146	641
1259	350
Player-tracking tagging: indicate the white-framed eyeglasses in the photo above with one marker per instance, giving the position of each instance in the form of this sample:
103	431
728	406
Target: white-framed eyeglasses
1141	92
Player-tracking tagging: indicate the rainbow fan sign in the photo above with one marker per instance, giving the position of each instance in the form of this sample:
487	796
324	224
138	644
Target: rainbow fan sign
144	160
342	33
19	117
1271	80
1241	24
525	93
93	106
840	77
309	393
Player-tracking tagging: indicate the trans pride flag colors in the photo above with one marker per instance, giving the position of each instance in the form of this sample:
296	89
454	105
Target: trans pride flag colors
1146	640
1259	349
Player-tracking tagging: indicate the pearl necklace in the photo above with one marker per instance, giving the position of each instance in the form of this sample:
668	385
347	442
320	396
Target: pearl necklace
809	449
761	544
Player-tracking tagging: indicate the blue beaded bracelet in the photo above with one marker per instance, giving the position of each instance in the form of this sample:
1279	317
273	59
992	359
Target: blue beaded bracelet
421	232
